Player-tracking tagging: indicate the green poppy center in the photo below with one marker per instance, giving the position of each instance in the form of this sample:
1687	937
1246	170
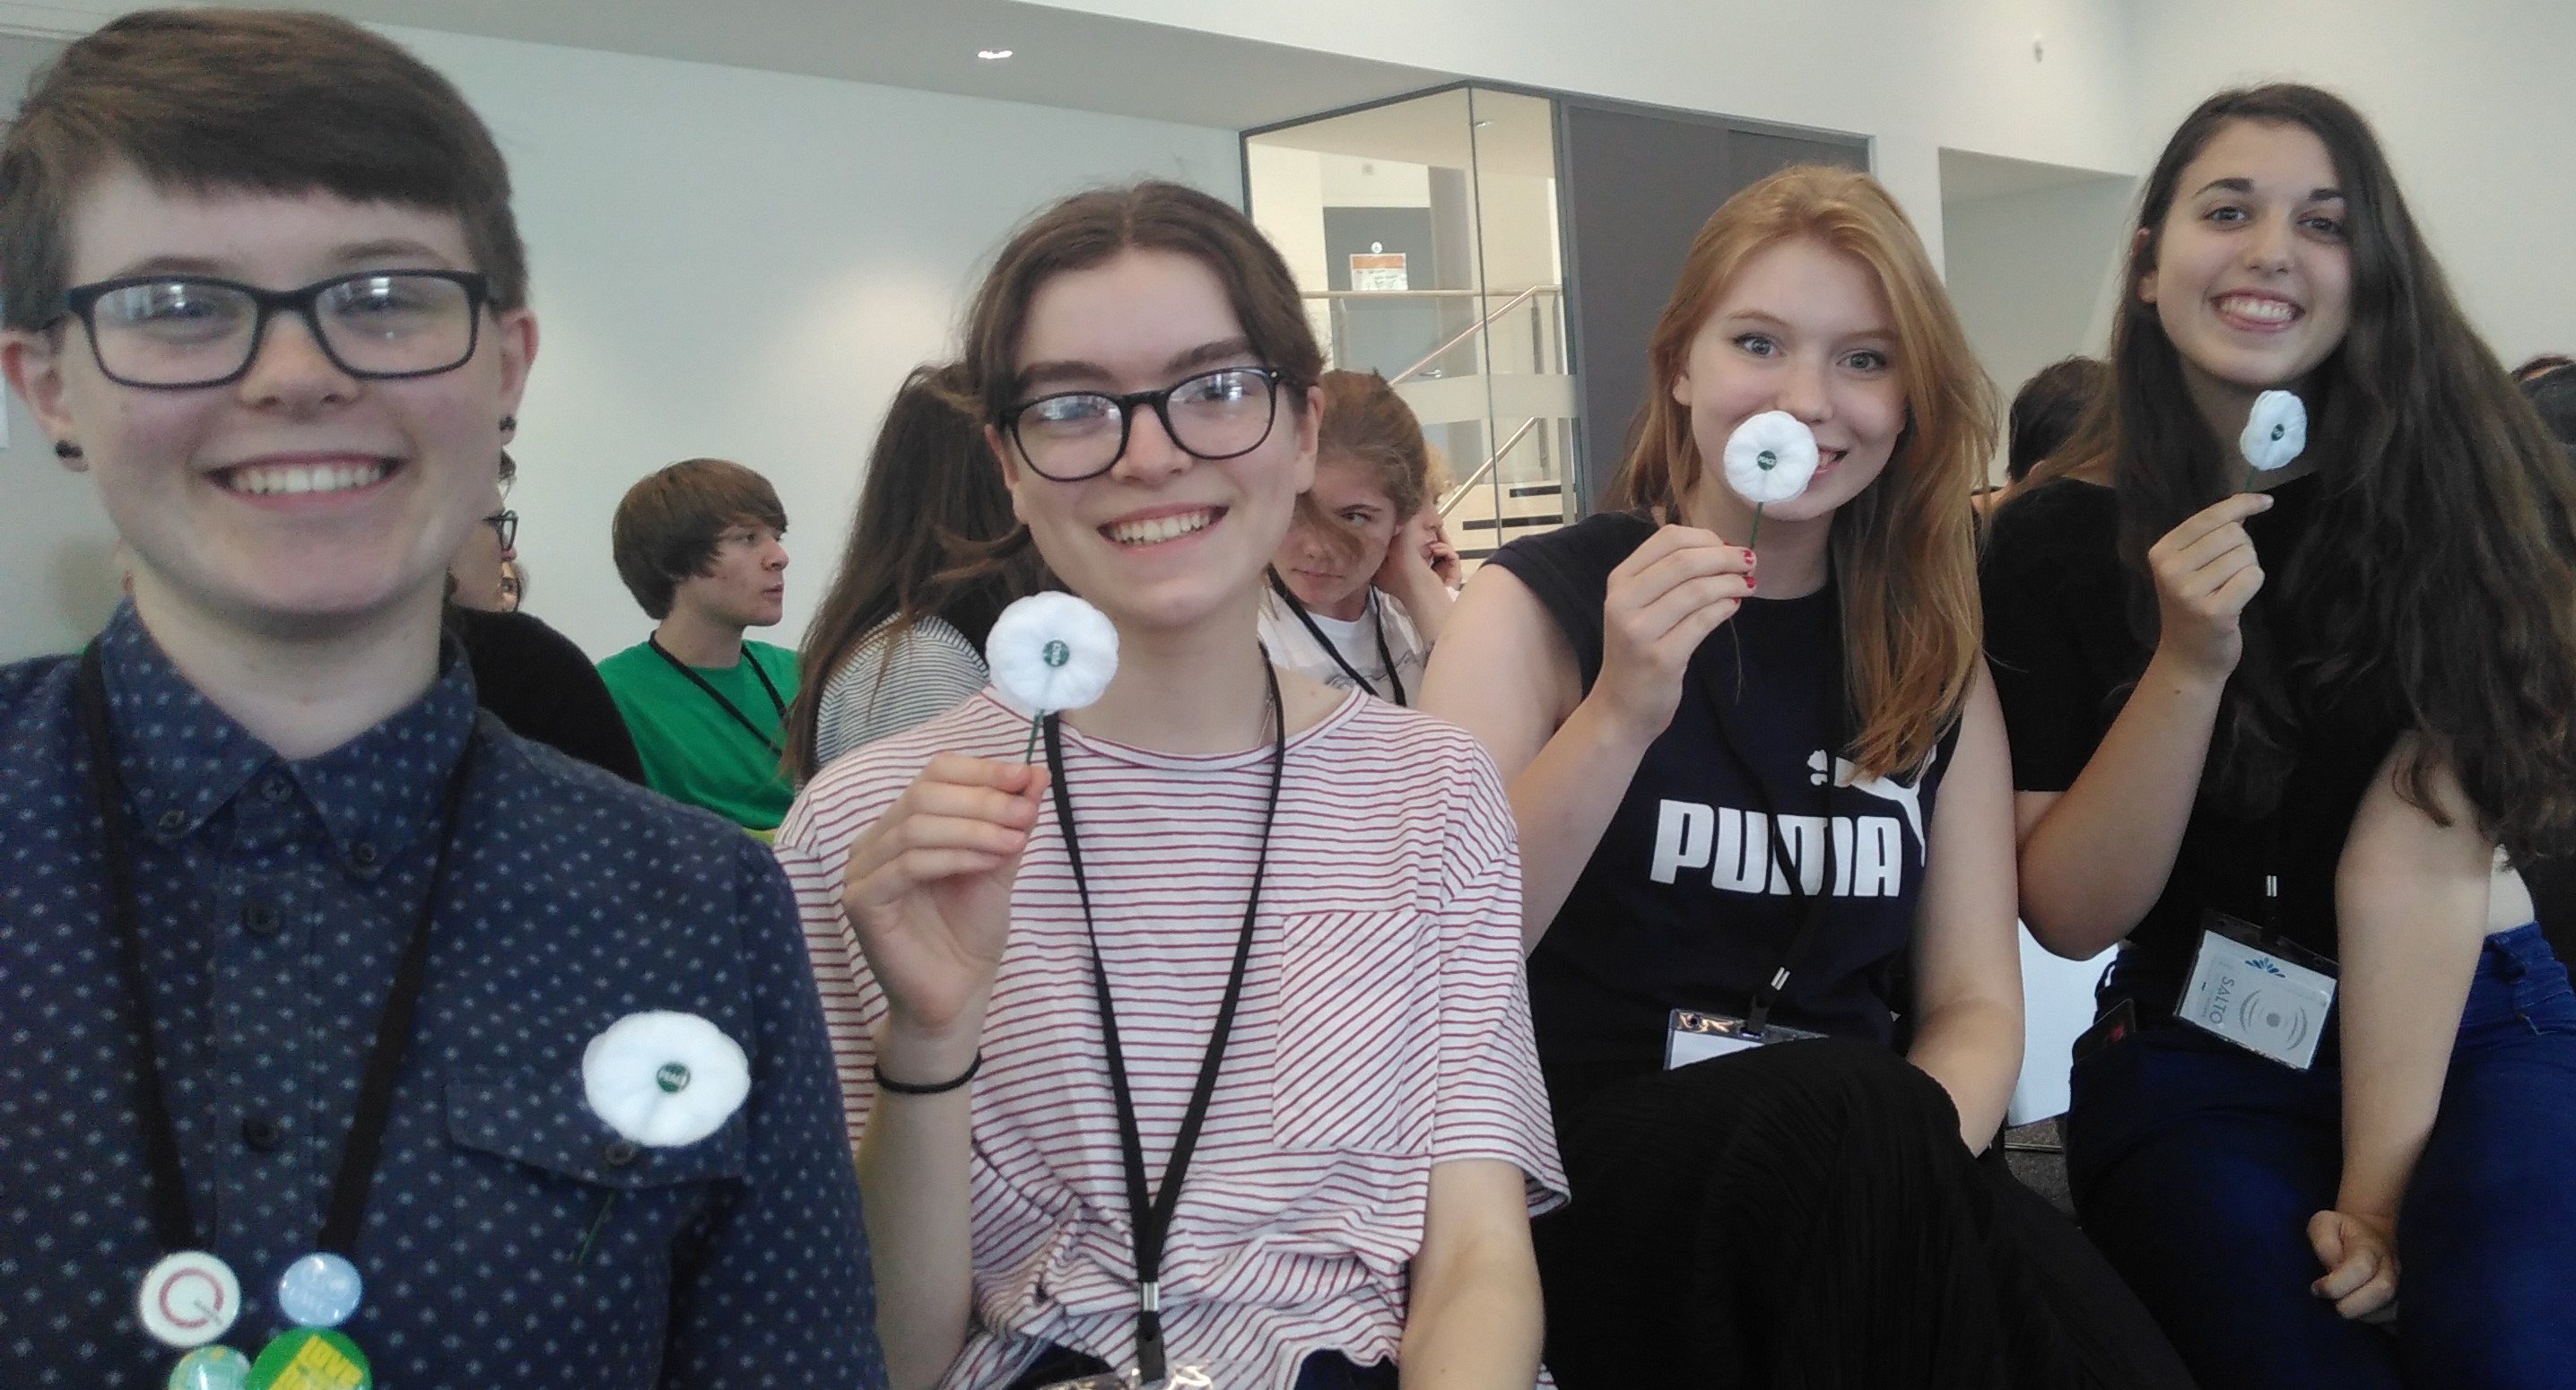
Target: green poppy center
673	1078
1766	460
1057	653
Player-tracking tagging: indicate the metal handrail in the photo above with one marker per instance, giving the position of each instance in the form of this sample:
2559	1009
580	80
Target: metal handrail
1451	502
1470	331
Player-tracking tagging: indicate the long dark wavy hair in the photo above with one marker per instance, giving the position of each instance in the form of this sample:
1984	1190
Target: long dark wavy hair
934	537
2435	588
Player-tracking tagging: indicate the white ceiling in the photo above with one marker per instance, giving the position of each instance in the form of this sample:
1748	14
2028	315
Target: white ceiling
1060	57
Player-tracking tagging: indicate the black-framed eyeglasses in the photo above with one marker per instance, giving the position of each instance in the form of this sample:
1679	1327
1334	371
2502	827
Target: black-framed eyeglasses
1216	415
504	524
175	332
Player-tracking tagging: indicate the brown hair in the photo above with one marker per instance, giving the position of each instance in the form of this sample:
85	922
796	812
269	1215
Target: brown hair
934	537
1367	423
1088	229
1904	550
2435	589
668	524
270	101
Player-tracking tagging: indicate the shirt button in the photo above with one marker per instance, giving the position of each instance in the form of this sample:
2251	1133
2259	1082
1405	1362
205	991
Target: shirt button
172	821
262	1133
260	919
363	854
620	1153
275	787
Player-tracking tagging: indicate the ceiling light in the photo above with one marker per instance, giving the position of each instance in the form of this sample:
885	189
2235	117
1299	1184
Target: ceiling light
992	55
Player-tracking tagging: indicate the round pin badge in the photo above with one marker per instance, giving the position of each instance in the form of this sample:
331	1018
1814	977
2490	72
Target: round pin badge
188	1299
211	1368
311	1358
320	1290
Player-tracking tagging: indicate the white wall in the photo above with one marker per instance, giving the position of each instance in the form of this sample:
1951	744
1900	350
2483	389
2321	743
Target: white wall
2035	275
725	262
2472	98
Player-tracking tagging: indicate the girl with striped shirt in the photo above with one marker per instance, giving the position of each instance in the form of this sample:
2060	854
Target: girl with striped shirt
1204	1042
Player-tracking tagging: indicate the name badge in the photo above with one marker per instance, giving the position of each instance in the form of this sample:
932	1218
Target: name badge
1695	1037
2263	994
1179	1378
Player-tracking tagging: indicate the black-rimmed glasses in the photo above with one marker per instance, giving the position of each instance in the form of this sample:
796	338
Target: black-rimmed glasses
173	332
1216	415
504	524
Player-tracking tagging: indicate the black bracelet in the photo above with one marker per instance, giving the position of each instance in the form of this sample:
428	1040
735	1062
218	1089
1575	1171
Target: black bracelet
939	1088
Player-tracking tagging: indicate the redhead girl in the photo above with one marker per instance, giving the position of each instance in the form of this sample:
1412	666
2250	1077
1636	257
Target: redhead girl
1201	1046
2303	718
1765	813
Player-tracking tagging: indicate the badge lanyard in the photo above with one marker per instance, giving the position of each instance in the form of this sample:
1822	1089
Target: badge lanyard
1151	1217
1810	908
325	1275
718	696
1377	619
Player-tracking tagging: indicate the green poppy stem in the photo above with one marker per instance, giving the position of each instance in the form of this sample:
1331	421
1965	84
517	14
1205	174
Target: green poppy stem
582	1255
1749	541
2251	473
1030	753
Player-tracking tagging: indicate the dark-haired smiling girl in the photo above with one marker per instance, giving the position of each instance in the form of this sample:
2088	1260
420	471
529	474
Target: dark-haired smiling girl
2280	735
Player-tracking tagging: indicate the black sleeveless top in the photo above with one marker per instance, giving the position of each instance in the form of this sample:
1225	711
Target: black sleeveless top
1683	905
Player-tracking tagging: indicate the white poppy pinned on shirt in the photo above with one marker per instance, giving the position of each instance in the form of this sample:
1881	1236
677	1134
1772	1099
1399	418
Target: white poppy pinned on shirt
2275	432
663	1079
1050	653
1769	458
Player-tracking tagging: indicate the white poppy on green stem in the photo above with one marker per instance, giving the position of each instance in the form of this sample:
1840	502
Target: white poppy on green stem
1769	458
2275	431
1050	653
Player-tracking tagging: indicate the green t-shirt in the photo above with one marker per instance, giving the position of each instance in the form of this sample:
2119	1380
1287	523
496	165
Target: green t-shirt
693	750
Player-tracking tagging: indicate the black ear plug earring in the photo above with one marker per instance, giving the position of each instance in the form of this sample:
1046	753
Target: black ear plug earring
65	449
509	423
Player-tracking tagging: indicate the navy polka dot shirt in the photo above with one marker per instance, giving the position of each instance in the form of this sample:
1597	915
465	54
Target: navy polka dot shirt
512	1239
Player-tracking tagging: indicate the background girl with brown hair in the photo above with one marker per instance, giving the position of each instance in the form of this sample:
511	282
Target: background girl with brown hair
1360	588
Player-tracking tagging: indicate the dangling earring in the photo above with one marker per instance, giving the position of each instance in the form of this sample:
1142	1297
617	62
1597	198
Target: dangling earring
67	451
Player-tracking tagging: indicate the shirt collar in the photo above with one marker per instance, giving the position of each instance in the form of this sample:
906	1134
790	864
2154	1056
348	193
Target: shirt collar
183	759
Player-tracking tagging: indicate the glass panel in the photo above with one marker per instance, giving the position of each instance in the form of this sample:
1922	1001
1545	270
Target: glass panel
1424	235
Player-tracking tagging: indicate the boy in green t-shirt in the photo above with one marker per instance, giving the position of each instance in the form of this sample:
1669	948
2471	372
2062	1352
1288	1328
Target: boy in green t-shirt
699	545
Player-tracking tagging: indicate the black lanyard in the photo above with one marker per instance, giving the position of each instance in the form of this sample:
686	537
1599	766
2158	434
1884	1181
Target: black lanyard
718	696
1810	909
1151	1216
1377	616
173	1220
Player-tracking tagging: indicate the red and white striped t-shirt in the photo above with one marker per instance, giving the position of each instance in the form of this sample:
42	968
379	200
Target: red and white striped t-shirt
1384	1028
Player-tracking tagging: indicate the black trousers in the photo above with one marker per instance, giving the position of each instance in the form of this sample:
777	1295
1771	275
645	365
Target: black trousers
1803	1217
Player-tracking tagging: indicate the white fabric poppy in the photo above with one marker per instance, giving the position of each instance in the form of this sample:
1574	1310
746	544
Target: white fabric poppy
1770	457
2275	432
1052	652
664	1079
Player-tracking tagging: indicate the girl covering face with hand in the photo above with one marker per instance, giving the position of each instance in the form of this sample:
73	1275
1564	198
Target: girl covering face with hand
1360	588
1765	811
1145	1049
2299	724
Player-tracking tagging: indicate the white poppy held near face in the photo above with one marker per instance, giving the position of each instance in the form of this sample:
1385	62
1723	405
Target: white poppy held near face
2275	431
663	1079
1050	653
1769	458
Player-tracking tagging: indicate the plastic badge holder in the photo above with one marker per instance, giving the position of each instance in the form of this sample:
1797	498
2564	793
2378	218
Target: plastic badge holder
1696	1037
2260	992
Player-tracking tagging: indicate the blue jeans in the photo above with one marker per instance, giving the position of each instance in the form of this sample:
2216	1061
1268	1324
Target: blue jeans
2196	1165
